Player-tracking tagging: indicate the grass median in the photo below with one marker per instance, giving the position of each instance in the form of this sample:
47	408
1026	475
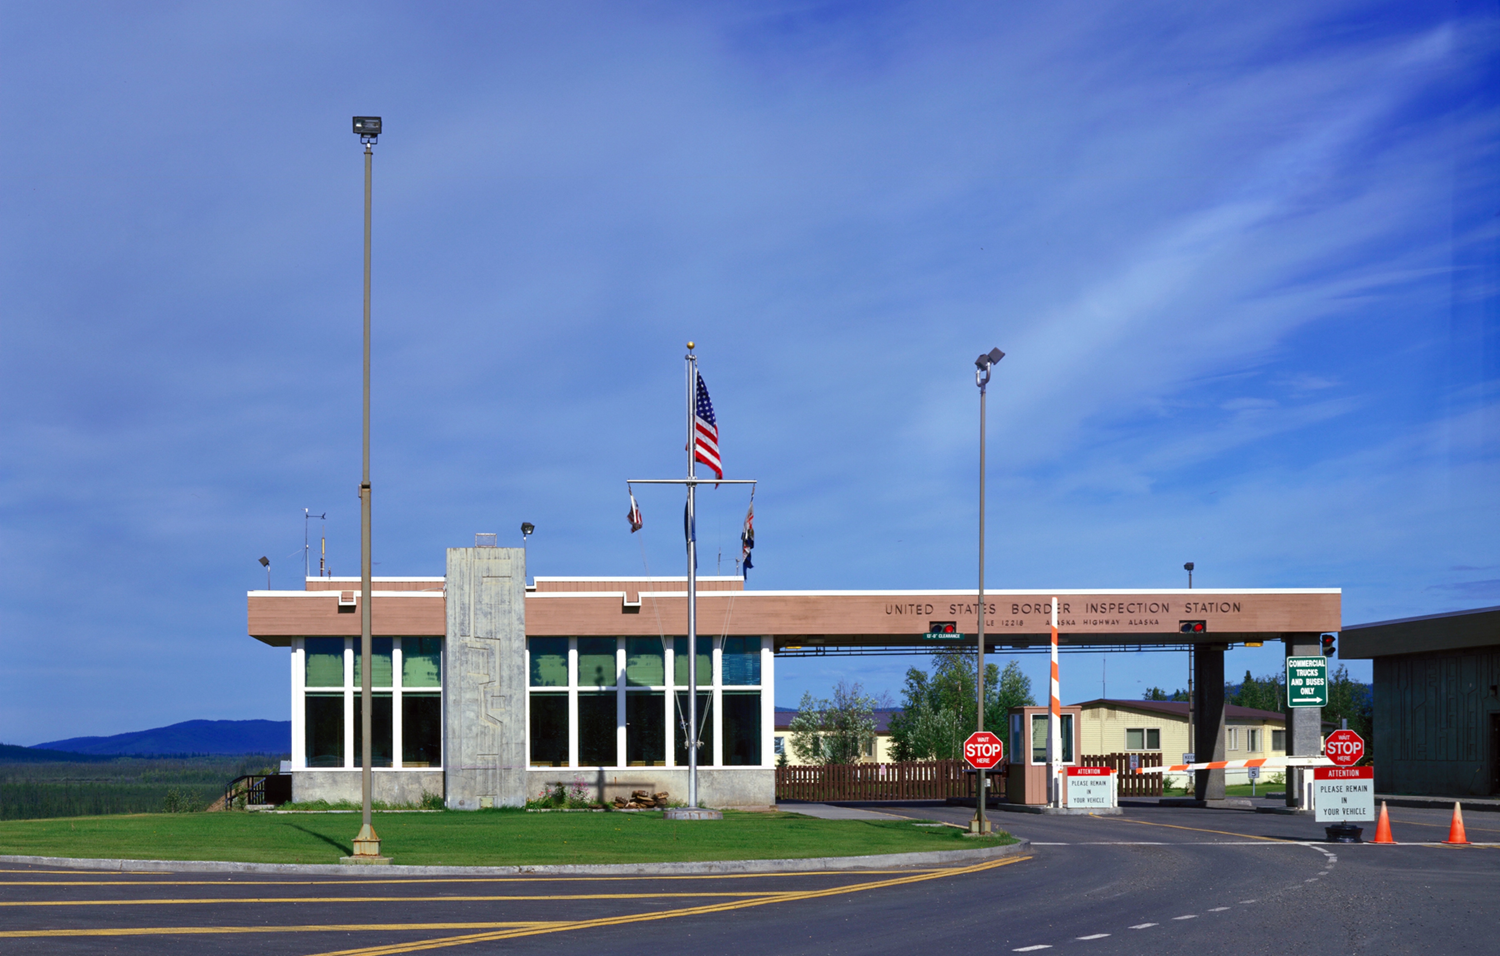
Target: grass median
478	838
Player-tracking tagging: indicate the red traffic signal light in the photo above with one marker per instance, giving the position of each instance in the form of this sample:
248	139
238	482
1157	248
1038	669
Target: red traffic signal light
942	627
1328	645
1192	627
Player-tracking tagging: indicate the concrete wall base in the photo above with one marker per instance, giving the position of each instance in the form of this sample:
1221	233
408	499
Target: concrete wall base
386	786
723	787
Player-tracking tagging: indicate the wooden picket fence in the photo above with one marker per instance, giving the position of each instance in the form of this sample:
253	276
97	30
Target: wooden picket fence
912	780
1131	784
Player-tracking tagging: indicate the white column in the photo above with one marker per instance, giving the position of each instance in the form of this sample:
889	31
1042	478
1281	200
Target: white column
299	704
670	657
396	725
349	759
767	703
718	699
619	703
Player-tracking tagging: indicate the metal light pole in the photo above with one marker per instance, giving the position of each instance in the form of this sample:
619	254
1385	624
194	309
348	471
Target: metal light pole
982	366
367	844
1192	698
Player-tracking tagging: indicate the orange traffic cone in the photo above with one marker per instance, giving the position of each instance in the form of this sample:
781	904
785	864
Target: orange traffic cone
1456	828
1383	826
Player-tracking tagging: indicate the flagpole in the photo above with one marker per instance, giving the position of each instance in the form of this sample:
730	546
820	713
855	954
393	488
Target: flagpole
692	576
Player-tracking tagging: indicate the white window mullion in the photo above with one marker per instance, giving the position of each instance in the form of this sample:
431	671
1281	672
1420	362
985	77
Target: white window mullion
718	706
572	701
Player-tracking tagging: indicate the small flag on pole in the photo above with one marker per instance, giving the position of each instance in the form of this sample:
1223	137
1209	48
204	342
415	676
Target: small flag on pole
634	515
706	432
747	536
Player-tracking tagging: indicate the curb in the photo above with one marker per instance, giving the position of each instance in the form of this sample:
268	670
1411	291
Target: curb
701	868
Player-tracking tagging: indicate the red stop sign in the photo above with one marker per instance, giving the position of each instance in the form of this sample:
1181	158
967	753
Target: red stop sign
1344	748
983	750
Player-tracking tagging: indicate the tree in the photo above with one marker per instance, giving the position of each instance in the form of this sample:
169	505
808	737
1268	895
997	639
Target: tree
1262	693
940	711
1348	699
1156	693
834	730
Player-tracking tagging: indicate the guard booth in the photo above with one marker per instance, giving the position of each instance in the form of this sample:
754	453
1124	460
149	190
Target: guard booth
1027	780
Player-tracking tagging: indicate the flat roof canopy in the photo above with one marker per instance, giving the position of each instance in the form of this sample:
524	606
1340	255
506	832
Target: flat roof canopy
637	607
1452	631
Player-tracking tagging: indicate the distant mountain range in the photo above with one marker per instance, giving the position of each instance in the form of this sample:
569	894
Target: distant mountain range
188	737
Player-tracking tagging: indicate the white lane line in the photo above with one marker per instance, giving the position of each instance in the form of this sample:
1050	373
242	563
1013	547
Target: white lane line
1248	902
1218	909
1144	925
1095	936
1322	872
1034	843
1027	949
1189	916
1311	879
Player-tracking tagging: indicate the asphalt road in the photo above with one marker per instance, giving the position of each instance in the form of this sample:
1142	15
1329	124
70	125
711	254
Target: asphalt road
1155	880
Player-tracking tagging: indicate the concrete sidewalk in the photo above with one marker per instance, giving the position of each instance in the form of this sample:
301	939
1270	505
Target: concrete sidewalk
827	811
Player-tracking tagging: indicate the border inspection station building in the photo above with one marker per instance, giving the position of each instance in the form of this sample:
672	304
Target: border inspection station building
489	690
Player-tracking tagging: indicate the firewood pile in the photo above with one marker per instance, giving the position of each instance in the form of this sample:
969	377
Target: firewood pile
642	800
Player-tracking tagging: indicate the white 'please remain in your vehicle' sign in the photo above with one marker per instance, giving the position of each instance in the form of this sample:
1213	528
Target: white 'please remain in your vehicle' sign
1343	793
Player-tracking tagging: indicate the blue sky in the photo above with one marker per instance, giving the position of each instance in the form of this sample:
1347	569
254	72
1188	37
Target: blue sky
1244	260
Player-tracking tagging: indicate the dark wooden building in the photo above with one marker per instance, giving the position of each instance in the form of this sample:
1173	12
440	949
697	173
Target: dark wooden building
1436	701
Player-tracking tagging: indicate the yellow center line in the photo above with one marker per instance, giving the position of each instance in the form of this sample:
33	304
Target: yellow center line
1415	823
233	930
1174	826
445	879
216	900
449	941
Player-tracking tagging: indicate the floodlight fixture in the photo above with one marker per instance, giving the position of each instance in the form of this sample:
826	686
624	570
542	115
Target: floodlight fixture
989	358
526	529
367	128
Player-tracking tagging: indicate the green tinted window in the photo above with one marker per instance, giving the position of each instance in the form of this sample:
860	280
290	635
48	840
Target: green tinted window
549	661
421	662
596	663
325	662
380	676
740	661
645	662
741	720
705	661
324	741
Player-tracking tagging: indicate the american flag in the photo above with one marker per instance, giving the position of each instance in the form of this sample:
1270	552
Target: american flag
706	432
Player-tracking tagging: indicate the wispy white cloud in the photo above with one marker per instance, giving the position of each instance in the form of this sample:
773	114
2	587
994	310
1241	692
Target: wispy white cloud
1238	259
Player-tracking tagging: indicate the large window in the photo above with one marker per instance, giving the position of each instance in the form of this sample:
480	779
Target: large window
1252	739
406	712
623	702
549	730
1278	741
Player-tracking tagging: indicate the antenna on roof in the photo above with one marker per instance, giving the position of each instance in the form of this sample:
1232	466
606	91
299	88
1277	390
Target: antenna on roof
306	554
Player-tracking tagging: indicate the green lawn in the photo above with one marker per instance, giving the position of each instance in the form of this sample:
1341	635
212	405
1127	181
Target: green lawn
479	838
